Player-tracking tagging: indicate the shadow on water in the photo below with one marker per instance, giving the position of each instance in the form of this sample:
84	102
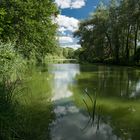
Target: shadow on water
118	91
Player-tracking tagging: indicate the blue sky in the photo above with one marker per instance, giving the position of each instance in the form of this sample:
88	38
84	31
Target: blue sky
82	12
71	12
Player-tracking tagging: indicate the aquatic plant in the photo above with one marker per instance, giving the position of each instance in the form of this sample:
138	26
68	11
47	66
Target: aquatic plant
93	110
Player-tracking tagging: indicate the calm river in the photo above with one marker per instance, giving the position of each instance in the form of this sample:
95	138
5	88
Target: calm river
116	91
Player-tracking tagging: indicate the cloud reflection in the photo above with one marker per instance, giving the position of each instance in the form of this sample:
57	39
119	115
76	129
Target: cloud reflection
64	75
70	120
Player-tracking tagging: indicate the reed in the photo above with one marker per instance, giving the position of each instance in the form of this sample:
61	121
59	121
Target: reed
93	110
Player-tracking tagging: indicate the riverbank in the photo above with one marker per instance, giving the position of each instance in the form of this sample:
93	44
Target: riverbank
110	63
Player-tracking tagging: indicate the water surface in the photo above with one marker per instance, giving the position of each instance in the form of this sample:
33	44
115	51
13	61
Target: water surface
118	91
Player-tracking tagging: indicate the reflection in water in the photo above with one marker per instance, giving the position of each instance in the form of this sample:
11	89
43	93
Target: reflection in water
70	120
110	81
63	77
118	93
69	127
136	91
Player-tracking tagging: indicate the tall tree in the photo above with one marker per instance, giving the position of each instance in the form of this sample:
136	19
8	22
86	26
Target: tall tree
29	23
112	31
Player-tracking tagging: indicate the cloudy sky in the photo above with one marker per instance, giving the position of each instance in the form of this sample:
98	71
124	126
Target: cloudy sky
71	12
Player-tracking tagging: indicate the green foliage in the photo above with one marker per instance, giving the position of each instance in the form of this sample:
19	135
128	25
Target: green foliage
112	31
30	24
12	67
11	63
68	53
59	52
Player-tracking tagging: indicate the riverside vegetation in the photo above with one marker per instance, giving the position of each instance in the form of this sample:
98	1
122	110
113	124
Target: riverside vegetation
28	40
27	34
111	34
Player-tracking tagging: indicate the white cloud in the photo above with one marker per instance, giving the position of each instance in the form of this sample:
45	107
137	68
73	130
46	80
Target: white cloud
65	39
70	3
78	3
62	29
68	41
63	3
67	23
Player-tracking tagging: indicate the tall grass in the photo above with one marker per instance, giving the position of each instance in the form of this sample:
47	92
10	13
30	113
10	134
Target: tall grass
12	67
24	116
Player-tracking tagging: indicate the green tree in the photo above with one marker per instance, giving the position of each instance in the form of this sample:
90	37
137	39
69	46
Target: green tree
29	23
111	32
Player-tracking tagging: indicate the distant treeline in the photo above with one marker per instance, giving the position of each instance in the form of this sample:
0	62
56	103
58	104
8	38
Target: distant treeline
111	34
67	53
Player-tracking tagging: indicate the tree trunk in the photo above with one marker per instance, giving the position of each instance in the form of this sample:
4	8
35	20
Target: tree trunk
117	53
117	47
136	36
109	41
127	43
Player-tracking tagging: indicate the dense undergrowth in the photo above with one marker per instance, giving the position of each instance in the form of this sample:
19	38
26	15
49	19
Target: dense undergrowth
25	109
